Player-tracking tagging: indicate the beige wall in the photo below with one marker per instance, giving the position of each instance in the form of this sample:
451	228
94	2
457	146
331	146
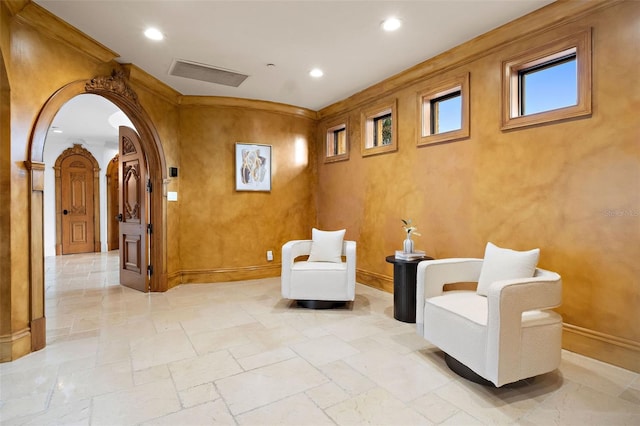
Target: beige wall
559	186
224	234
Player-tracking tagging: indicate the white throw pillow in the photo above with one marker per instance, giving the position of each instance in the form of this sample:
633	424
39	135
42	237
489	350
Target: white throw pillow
326	246
505	264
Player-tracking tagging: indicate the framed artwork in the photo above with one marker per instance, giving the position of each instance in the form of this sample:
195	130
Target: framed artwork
253	167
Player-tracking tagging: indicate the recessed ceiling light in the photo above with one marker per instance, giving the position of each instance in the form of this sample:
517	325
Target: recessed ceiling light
316	72
56	130
391	24
153	34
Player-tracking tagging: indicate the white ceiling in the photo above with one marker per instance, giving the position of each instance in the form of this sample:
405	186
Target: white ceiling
343	38
85	119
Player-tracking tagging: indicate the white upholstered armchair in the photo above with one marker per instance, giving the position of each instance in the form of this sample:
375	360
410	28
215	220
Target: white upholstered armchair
504	331
327	277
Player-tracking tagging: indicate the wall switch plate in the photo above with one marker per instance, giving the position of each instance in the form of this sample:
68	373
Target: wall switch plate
269	255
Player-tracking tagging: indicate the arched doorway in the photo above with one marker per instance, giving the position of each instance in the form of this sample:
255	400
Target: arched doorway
115	89
77	202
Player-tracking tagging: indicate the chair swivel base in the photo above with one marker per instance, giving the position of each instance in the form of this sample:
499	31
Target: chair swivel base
319	304
465	372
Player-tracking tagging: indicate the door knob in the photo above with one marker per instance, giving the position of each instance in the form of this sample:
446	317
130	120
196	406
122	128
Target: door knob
65	211
119	217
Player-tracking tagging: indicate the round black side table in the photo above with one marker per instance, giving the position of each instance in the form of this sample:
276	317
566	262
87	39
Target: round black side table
404	287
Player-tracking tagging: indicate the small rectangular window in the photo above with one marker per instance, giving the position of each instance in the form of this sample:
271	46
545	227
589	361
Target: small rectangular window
339	141
379	128
549	83
382	130
444	110
548	86
336	140
446	113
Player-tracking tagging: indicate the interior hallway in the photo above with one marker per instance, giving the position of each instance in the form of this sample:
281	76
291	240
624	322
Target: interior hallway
237	353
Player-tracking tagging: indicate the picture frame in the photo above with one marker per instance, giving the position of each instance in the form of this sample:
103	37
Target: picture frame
253	167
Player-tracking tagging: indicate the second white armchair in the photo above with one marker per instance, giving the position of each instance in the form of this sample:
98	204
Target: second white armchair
505	331
327	277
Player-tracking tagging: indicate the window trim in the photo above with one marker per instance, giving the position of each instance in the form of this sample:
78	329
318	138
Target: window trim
511	68
367	117
438	90
336	124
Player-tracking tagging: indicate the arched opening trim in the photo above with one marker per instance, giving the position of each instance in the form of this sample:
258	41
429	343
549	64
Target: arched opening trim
115	89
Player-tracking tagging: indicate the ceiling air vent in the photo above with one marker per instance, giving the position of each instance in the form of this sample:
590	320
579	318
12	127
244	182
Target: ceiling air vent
208	73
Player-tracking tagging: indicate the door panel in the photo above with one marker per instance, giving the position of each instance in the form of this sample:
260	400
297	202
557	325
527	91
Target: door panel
132	255
132	187
133	211
79	232
77	204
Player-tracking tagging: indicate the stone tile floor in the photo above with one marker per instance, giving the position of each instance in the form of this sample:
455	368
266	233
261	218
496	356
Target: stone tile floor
237	353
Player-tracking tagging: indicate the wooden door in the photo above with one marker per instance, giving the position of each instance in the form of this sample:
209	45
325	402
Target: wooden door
113	204
76	188
133	212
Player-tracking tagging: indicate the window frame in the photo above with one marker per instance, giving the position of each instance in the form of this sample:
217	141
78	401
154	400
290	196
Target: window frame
512	118
442	89
378	121
367	118
570	56
337	124
434	117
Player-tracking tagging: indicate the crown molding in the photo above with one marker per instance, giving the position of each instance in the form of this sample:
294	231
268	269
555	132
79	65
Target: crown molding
146	81
15	6
222	101
44	21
